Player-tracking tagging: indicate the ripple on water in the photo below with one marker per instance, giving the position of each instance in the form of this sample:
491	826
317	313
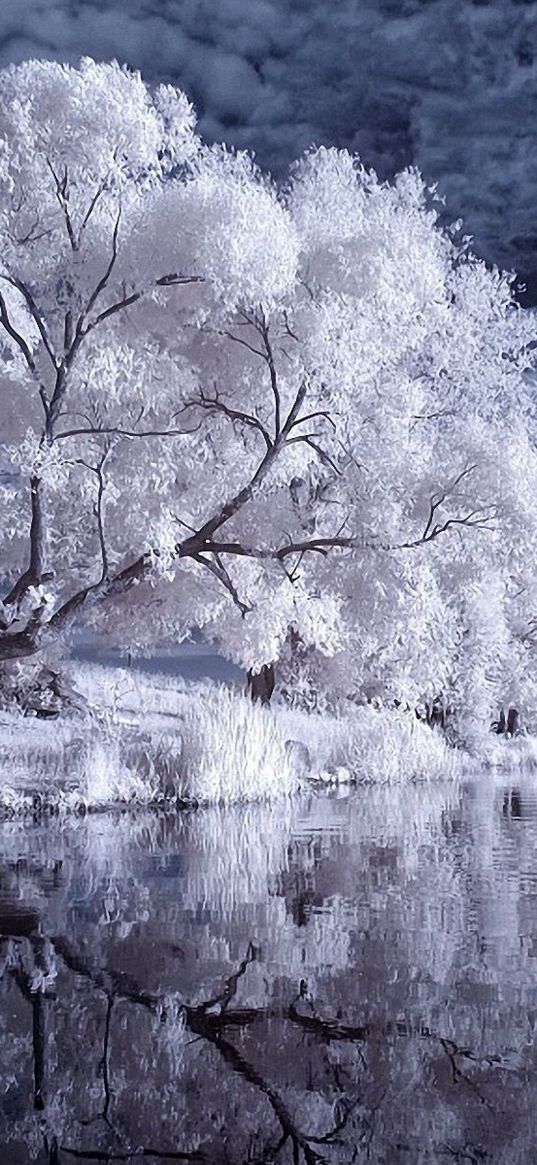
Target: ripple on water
346	977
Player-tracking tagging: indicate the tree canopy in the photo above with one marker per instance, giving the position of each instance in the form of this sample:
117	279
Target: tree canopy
298	418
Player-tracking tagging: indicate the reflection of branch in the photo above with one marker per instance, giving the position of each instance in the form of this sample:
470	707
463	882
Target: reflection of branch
468	1154
328	1029
209	1026
37	1003
213	1021
290	1132
158	1154
104	1067
115	984
111	982
458	1076
370	1124
229	989
331	1137
105	1064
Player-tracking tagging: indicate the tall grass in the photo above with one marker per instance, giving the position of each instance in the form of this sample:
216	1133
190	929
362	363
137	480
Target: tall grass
216	746
233	750
150	740
372	745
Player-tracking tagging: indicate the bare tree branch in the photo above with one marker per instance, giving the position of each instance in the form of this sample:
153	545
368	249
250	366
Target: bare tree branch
93	203
34	312
292	418
324	457
269	357
214	404
312	416
112	430
16	336
261	326
217	568
61	189
35	571
133	297
98	509
33	234
103	281
245	344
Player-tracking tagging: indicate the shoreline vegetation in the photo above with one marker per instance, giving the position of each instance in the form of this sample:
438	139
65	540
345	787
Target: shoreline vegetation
140	741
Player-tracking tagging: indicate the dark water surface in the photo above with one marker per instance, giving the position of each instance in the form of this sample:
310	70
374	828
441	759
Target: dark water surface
342	979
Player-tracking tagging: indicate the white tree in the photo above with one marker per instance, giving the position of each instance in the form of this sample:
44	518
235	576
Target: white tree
122	238
264	414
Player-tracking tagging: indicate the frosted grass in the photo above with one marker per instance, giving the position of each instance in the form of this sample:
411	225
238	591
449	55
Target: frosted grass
154	740
218	748
376	745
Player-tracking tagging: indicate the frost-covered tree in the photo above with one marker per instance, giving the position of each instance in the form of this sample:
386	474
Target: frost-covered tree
123	241
282	417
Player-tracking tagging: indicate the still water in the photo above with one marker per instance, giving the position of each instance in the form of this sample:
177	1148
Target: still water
345	978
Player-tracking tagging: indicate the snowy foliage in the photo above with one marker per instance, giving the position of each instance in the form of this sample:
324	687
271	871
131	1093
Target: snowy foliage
296	419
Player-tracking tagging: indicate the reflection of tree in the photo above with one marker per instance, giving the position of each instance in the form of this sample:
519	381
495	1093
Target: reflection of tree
368	1022
212	1025
36	996
215	1020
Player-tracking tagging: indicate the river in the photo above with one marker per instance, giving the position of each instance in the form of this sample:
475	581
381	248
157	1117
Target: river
339	978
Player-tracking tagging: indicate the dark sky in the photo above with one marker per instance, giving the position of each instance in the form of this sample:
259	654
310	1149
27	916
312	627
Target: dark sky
448	84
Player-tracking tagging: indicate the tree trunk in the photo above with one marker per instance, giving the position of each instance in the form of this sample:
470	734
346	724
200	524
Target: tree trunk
509	726
436	713
513	721
261	684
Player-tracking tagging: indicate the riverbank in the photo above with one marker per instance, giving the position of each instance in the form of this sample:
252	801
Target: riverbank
151	740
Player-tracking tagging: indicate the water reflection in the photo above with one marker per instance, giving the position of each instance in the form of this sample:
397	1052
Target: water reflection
344	979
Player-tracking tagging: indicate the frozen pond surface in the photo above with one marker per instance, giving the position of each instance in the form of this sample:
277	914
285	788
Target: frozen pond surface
340	979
